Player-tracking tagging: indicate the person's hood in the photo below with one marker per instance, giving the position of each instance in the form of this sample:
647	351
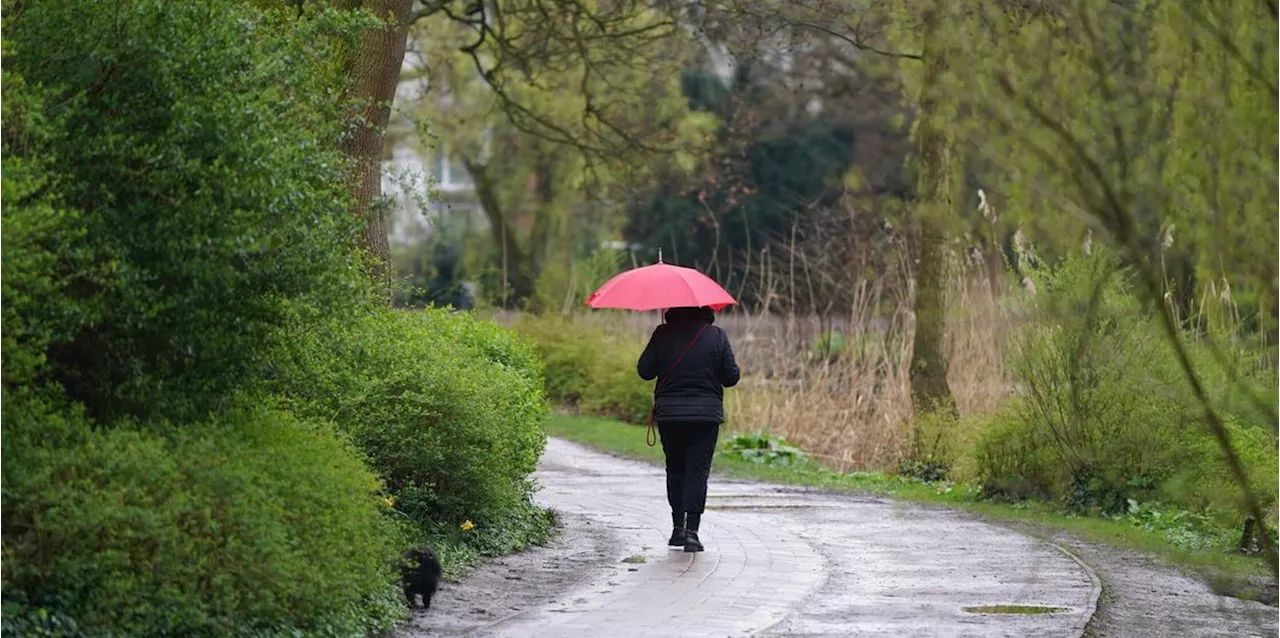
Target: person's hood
690	314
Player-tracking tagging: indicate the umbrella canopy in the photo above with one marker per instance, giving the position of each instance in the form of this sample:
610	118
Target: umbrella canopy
660	286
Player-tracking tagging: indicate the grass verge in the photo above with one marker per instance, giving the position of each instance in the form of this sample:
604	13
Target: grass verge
1228	573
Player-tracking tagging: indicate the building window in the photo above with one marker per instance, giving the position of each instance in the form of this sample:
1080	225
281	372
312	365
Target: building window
450	175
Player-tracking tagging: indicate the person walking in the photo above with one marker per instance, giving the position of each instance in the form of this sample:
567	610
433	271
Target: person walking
696	363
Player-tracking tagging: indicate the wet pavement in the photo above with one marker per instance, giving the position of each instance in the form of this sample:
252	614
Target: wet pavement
779	562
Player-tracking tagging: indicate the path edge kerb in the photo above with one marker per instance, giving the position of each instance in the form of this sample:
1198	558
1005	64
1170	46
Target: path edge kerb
1094	579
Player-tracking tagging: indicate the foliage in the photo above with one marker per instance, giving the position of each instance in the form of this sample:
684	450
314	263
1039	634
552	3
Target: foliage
35	236
1179	527
542	114
249	522
752	189
588	368
763	447
568	286
194	143
828	346
447	408
937	447
1165	139
1103	414
431	275
175	219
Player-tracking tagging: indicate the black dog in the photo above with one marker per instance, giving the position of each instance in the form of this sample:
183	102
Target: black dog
420	574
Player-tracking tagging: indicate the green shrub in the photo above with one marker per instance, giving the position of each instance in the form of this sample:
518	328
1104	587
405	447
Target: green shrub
1016	459
190	149
616	391
35	236
250	522
588	368
1205	482
448	409
563	286
763	447
1103	414
828	346
945	447
178	238
1089	366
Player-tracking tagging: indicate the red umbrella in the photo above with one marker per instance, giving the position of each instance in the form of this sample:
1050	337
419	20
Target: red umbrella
660	286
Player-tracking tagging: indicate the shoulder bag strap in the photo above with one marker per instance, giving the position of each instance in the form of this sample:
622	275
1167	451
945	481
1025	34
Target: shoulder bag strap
651	436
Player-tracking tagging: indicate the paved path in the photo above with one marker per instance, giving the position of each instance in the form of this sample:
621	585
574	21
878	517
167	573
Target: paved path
779	562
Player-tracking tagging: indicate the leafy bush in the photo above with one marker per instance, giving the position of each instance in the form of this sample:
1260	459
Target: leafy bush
1102	414
189	150
35	236
763	447
249	522
1015	458
447	408
562	286
1179	527
828	346
174	215
590	369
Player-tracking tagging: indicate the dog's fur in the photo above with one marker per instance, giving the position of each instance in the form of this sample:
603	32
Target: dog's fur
420	574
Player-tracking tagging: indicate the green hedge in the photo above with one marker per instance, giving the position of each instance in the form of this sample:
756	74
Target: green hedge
190	149
177	245
447	408
252	521
43	256
1103	414
588	368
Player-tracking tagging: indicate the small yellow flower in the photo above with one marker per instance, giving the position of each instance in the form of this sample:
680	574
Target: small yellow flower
389	502
468	526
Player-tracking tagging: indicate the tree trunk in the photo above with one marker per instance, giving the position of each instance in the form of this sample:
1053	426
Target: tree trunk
929	388
373	71
545	216
543	212
515	263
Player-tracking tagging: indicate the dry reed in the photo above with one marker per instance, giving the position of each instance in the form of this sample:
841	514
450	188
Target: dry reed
854	411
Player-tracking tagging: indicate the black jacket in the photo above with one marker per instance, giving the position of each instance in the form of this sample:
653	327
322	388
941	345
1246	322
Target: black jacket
694	391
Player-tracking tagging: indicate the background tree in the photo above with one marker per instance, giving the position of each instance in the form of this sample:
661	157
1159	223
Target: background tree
768	169
934	204
554	123
1162	151
896	39
369	55
372	68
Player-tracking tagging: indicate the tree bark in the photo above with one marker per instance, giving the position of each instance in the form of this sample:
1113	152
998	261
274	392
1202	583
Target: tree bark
373	71
515	262
929	388
544	216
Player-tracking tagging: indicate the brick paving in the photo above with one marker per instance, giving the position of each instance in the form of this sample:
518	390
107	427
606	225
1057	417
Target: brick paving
789	562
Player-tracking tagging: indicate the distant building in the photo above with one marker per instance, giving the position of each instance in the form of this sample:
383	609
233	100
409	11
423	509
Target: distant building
426	185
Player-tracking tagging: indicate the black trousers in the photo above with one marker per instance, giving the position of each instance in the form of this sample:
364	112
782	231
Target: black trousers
688	448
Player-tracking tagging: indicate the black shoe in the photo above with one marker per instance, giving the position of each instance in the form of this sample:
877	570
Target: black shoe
691	542
678	536
677	530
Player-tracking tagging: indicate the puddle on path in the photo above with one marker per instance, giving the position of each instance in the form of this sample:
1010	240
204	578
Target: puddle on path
762	506
1024	610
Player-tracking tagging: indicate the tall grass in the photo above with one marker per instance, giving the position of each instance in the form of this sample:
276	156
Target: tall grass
838	385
